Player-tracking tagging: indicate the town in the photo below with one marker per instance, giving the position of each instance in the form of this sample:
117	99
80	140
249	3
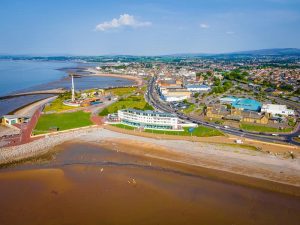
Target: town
252	97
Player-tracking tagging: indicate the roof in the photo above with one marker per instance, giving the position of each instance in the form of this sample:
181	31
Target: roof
11	116
197	86
274	107
229	98
247	104
147	112
253	115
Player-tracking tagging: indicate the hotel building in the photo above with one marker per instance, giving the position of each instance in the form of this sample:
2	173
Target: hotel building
149	119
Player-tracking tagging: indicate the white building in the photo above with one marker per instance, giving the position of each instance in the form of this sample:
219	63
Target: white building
277	109
197	88
149	119
13	119
174	94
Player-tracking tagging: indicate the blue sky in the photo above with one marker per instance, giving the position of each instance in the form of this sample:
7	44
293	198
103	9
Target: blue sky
141	27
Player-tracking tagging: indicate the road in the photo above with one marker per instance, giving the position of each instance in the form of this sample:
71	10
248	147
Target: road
153	99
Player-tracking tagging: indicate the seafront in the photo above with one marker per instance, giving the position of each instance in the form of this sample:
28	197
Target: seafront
136	79
222	157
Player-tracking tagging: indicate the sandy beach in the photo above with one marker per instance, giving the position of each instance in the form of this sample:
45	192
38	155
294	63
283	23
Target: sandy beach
222	157
136	79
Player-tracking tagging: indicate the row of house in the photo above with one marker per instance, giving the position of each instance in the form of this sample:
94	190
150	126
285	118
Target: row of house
221	112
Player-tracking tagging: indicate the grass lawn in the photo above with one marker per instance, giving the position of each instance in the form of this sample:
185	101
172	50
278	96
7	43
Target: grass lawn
189	109
262	128
136	102
199	131
57	106
121	91
63	121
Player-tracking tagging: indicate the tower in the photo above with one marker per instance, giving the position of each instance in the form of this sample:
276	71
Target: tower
73	89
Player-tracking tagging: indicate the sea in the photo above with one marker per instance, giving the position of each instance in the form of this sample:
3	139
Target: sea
30	75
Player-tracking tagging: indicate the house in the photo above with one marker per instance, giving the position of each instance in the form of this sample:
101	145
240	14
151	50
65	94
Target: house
13	119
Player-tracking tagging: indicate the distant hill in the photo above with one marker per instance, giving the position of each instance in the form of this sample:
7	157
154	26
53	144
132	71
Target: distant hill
269	52
119	57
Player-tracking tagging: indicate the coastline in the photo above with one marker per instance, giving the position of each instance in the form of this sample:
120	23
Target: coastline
30	108
216	157
136	79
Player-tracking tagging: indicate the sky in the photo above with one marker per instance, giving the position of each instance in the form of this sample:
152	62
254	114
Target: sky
144	27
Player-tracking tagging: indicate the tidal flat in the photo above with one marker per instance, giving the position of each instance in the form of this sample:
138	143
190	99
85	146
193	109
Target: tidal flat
92	184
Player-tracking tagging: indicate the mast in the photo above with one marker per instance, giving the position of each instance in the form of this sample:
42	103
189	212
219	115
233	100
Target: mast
73	89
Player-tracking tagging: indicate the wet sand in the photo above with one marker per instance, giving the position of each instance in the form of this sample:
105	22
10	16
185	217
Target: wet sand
90	184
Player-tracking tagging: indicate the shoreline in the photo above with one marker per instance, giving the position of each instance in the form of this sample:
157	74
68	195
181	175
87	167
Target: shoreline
136	79
227	159
32	107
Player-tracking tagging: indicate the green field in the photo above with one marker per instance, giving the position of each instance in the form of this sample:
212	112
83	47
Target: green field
63	121
199	131
121	91
261	128
135	102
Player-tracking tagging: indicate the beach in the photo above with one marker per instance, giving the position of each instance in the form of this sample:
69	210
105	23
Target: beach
136	79
222	157
90	183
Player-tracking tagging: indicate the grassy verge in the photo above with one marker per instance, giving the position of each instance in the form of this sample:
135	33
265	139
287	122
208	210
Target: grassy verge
247	147
63	121
200	131
123	126
261	128
121	91
134	101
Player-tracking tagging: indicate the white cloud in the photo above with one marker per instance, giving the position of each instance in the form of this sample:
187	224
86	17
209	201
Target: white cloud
204	26
124	20
230	32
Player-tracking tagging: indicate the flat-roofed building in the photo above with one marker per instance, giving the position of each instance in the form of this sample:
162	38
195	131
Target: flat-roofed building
174	95
149	119
275	109
242	103
197	87
13	119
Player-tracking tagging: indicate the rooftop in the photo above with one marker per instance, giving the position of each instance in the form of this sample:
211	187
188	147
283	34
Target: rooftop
148	112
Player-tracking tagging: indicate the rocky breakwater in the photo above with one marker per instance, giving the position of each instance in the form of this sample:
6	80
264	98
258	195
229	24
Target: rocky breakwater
40	146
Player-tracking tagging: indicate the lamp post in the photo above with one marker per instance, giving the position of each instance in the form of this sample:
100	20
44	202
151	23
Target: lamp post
73	89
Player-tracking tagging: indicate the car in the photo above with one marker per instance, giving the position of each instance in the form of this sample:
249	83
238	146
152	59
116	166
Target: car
226	127
275	134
